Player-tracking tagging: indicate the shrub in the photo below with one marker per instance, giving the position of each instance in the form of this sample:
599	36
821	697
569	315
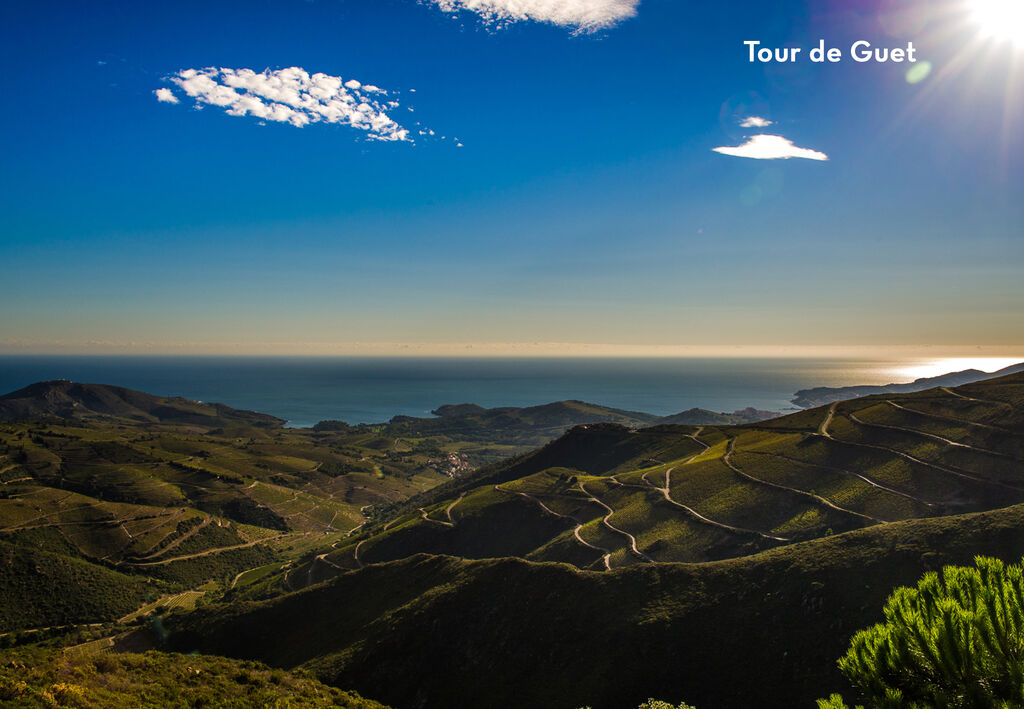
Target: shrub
956	641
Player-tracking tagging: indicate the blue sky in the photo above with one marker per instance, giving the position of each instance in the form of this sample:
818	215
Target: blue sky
585	207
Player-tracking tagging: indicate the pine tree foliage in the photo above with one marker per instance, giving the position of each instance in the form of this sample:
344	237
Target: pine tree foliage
954	642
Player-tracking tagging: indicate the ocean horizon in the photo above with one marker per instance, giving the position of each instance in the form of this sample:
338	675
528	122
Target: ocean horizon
305	390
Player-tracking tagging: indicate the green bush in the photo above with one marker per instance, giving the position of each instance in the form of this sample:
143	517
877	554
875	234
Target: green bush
956	641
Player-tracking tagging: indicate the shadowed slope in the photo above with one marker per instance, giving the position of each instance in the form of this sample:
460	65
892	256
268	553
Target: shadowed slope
509	633
71	400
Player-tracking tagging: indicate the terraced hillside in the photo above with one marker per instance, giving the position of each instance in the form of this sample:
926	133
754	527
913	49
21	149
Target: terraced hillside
604	496
437	631
127	499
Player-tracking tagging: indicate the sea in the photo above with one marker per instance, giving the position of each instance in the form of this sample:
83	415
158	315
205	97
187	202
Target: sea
305	390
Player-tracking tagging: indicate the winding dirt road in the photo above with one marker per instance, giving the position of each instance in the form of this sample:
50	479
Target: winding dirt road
818	499
632	540
606	553
953	419
218	550
859	476
355	553
667	494
980	401
427	518
823	428
177	542
949	442
449	508
935	466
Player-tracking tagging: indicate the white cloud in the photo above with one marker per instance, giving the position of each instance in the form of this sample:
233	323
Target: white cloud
755	122
165	96
290	95
580	15
771	147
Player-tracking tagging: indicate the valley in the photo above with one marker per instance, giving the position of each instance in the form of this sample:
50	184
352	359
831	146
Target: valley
339	550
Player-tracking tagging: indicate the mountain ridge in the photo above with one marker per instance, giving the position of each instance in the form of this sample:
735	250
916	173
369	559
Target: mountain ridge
604	496
819	396
64	399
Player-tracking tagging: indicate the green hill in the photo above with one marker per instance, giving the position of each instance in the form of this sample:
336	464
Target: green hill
48	588
536	425
438	631
70	400
703	417
107	483
605	496
524	428
819	396
176	494
711	563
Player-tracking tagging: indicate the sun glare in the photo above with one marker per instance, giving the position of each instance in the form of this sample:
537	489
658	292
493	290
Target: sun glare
1000	19
934	368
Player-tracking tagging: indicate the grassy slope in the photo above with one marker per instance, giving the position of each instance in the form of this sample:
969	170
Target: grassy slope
737	489
87	593
176	491
488	435
158	491
31	678
177	503
65	399
510	633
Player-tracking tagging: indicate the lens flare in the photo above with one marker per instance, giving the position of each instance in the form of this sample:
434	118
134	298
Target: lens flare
1000	19
935	368
919	72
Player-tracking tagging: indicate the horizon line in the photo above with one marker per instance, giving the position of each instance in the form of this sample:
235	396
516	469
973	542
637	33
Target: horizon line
504	350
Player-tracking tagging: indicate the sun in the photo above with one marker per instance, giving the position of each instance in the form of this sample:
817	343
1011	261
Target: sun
934	368
999	19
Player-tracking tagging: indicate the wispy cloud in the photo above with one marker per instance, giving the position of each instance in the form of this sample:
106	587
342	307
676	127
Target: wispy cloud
771	147
580	15
165	95
755	122
292	96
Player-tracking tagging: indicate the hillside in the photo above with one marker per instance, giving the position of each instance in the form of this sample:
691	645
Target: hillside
508	633
684	551
88	593
604	496
70	400
539	424
819	396
489	435
703	417
118	497
46	678
167	498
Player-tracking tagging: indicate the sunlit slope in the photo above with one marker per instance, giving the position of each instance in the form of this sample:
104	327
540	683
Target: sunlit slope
38	677
121	493
604	496
158	507
508	633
